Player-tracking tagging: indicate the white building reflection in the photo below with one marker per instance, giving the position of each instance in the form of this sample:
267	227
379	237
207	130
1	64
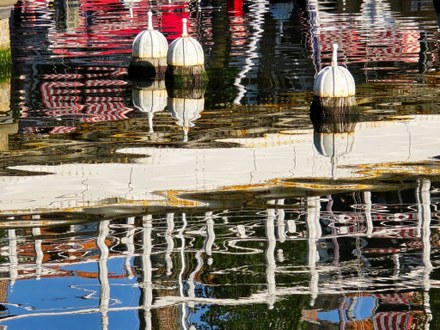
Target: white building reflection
164	172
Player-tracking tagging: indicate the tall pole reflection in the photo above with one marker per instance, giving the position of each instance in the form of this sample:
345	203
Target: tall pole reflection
182	271
314	232
368	206
104	297
281	221
129	242
38	252
281	224
147	270
270	257
13	257
425	197
170	243
192	278
207	248
259	8
210	236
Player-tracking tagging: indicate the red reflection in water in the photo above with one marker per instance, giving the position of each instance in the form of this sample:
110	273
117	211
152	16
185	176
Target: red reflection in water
235	7
237	22
91	31
89	96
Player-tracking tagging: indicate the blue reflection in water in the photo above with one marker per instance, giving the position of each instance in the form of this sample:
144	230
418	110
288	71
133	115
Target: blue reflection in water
76	289
362	309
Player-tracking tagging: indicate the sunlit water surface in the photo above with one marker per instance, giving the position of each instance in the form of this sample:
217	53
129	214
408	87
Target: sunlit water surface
127	204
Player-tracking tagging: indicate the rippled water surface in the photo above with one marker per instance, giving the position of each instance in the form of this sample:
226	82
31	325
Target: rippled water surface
128	203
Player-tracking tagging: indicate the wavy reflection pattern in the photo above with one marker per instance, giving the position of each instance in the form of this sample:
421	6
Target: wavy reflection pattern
375	254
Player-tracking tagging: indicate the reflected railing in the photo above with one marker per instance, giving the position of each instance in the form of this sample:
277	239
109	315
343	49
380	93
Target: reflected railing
179	260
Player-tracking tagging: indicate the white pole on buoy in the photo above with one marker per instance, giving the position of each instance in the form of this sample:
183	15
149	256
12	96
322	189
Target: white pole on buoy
149	53
334	80
186	60
334	108
150	21
185	28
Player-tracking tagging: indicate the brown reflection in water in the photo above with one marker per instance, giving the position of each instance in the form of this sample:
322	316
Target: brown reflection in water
7	125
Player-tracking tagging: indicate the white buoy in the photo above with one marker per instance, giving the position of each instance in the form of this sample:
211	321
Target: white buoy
186	106
334	80
186	59
150	99
333	146
334	108
149	52
334	114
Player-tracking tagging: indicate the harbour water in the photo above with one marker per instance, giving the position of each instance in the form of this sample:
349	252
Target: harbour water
130	204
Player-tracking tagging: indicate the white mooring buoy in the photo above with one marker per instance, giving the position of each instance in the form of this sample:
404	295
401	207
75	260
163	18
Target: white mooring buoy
186	59
334	108
149	52
186	107
150	99
334	80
